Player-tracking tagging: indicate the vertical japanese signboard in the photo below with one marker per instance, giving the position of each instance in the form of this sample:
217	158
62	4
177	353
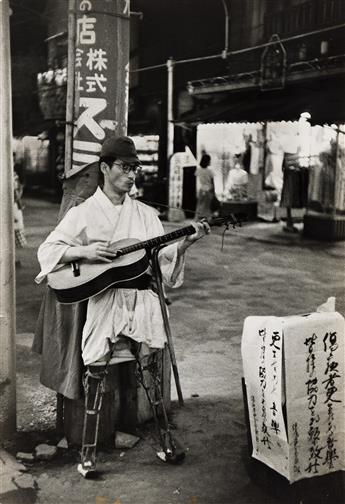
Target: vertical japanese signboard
294	372
101	78
178	161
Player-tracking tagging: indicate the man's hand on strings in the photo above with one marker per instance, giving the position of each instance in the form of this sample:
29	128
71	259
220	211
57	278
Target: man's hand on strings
202	228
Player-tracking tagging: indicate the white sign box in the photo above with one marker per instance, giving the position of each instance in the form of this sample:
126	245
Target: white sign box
294	373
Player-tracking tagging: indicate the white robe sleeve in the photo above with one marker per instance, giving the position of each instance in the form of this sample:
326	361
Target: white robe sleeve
70	232
172	266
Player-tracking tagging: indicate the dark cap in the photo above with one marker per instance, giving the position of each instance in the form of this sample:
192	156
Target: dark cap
121	147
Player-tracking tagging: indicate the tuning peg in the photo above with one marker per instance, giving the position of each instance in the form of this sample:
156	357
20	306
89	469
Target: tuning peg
234	221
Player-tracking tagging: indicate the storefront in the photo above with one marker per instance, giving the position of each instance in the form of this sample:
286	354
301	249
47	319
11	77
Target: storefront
303	120
40	153
261	148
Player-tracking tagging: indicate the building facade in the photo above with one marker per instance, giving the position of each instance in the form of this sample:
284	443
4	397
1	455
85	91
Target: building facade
233	62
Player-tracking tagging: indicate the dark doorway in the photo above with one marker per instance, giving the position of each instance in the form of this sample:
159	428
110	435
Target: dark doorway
189	191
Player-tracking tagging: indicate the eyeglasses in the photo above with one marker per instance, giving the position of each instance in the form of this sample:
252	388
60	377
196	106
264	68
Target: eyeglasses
126	168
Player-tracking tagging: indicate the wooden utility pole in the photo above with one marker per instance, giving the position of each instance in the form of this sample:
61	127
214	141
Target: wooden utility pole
72	16
7	251
170	111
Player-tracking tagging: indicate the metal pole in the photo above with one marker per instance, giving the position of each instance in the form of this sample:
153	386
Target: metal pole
226	31
178	214
170	125
7	251
70	115
336	168
121	83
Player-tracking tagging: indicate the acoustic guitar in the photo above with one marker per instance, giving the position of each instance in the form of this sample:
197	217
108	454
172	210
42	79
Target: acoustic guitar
79	281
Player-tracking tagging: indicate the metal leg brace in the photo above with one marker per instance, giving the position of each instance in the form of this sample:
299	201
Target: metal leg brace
171	451
93	404
94	386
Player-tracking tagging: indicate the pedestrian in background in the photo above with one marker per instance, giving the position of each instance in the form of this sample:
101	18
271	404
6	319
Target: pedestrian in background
295	189
19	230
205	192
237	184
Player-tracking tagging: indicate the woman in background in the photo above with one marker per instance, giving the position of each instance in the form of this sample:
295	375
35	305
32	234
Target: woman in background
204	188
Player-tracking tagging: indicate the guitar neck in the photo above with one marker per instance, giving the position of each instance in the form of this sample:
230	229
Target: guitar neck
233	219
159	240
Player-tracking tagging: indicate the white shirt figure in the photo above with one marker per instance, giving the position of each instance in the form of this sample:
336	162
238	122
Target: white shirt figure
237	183
130	312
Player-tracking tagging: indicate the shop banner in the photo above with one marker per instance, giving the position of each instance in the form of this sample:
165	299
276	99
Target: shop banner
294	373
178	161
101	77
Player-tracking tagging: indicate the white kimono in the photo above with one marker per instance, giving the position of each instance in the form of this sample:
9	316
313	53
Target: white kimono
129	312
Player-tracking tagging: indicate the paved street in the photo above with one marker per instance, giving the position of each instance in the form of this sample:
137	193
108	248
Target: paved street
260	271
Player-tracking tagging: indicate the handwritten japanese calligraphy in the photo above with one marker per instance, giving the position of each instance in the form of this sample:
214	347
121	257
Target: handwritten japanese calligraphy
330	383
314	348
296	447
294	370
312	388
262	356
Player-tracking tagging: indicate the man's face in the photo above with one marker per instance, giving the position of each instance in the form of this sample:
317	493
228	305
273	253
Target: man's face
116	179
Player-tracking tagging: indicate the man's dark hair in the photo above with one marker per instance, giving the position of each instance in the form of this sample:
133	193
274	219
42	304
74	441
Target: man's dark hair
109	161
205	160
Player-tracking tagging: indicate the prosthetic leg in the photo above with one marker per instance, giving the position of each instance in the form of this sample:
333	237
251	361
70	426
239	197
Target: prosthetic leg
94	386
171	451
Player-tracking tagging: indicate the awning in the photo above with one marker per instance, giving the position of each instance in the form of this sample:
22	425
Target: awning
324	99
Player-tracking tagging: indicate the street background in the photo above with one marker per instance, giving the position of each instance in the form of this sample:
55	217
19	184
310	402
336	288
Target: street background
260	271
259	86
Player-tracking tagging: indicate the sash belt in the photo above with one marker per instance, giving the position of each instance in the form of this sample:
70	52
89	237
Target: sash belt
144	282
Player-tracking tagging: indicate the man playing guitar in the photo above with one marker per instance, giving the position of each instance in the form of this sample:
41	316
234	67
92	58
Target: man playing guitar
123	321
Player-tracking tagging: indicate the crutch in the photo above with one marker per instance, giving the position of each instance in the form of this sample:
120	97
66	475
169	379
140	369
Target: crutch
158	277
171	450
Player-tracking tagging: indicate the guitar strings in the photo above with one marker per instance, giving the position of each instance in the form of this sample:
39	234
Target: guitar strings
226	225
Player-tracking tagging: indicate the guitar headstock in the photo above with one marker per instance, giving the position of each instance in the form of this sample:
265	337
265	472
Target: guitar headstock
232	220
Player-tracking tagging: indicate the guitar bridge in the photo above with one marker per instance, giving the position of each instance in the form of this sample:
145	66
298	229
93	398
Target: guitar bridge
75	269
